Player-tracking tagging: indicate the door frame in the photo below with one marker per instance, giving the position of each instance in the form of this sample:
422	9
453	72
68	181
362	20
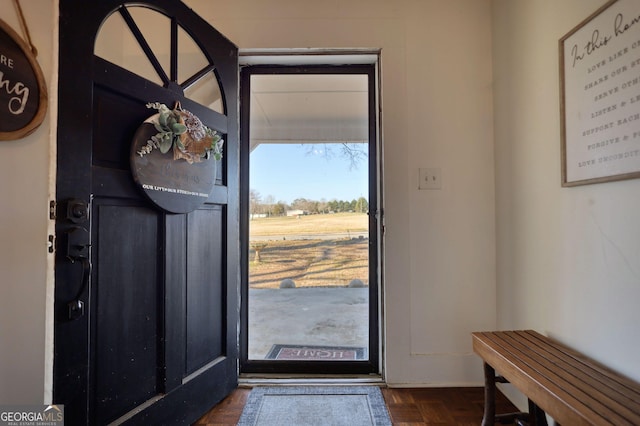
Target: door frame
318	61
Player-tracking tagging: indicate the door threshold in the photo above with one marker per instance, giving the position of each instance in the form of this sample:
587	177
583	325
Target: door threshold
298	380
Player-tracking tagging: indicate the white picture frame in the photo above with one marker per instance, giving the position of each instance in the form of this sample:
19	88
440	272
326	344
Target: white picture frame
600	96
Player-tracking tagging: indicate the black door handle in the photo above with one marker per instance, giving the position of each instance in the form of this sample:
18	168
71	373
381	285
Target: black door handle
76	306
77	250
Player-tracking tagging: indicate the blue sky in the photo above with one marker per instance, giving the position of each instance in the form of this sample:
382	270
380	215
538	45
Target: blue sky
290	171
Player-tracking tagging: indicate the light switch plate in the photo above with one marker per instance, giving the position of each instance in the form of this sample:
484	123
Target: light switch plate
430	178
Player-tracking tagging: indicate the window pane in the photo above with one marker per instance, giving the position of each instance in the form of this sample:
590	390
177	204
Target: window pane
116	44
156	29
191	61
206	91
190	58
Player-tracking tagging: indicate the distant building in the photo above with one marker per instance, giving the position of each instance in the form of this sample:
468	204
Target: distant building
296	212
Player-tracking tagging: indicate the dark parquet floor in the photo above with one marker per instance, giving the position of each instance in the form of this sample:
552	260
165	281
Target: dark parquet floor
407	407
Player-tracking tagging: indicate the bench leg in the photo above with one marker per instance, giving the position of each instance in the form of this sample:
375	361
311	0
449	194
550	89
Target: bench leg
537	416
489	417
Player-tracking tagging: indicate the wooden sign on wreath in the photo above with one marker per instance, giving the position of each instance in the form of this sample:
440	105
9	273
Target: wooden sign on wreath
174	159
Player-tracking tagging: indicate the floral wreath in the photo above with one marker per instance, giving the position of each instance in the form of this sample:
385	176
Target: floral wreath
178	128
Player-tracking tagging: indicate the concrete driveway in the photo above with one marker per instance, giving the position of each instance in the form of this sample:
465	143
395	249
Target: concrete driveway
332	316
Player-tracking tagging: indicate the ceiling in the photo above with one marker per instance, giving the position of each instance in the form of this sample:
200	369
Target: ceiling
309	108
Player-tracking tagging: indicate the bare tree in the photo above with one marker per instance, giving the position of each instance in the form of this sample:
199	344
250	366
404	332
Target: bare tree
254	202
268	204
354	152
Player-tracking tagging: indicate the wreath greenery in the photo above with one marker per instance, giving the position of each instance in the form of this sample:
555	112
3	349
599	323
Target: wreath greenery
184	132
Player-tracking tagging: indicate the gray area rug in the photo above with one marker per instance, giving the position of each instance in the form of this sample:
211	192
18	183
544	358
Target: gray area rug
315	406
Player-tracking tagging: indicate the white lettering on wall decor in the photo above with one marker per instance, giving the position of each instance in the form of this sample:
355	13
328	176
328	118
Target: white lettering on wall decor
16	103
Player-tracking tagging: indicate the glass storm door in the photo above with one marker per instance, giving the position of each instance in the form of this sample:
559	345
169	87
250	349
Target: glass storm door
310	288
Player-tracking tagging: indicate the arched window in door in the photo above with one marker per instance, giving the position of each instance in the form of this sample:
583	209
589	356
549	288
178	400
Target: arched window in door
157	48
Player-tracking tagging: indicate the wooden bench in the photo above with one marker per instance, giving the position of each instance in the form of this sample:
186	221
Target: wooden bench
568	386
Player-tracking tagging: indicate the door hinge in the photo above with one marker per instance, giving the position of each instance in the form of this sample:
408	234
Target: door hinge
51	244
52	210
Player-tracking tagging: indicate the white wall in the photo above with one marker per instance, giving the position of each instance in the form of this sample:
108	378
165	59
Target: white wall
24	226
568	258
437	112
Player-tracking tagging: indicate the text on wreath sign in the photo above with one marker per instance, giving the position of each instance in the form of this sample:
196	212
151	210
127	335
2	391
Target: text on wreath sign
620	26
17	103
173	190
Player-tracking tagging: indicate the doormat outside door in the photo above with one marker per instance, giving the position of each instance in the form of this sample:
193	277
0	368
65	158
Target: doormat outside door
316	353
315	406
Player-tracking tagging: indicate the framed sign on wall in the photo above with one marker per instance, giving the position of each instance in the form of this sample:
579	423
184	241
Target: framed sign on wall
23	92
600	96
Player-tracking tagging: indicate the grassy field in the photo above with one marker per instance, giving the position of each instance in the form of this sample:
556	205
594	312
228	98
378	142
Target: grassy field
310	224
309	262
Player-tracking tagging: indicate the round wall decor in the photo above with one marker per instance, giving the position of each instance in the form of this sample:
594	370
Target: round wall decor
174	159
23	91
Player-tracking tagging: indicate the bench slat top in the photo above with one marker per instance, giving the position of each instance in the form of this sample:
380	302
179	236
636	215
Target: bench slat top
570	387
